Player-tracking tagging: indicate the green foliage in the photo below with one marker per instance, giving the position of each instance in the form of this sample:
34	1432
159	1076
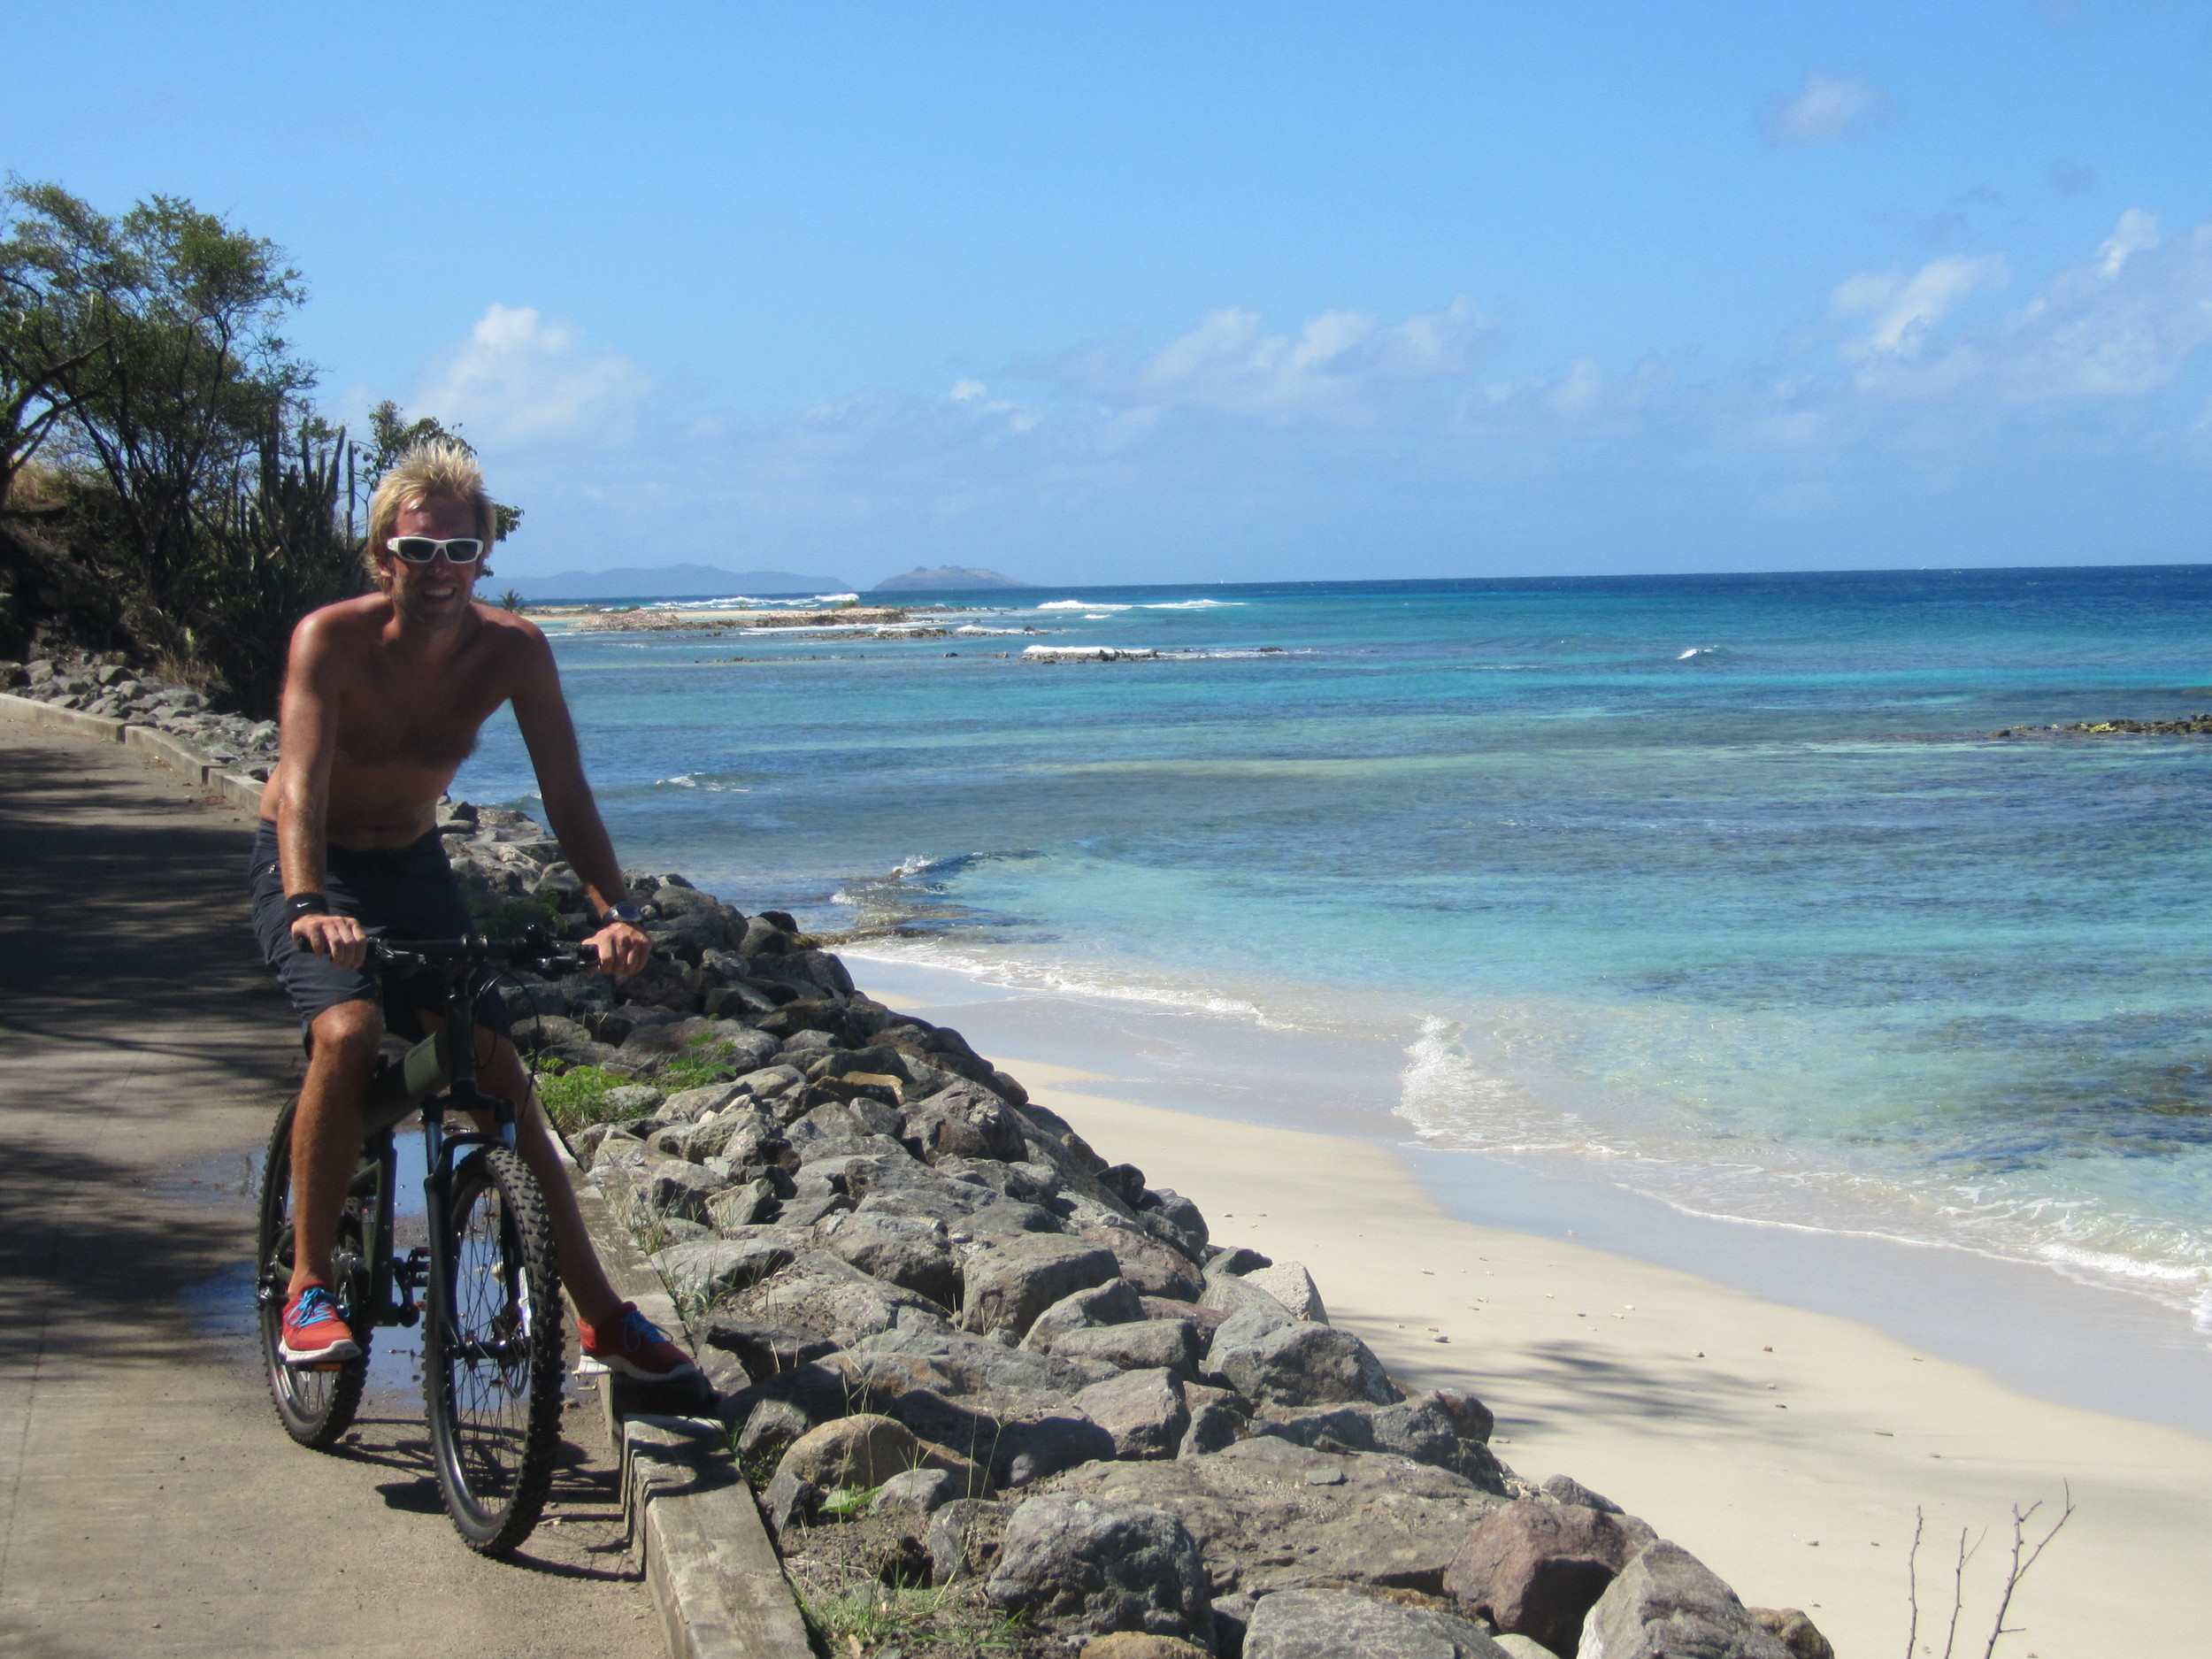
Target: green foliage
574	1097
391	434
510	601
143	359
860	1617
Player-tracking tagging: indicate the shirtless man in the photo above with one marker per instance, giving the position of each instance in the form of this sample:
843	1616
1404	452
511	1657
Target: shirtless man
383	699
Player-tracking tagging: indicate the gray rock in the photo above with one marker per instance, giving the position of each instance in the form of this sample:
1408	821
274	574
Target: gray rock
790	1502
1521	1646
709	1269
745	1206
806	1208
1006	1219
913	1255
963	1539
630	1100
1668	1604
953	1362
1298	1364
1263	1524
672	1186
1011	1282
1290	1283
765	1348
1537	1567
916	1492
1186	1227
1153	1344
1420	1430
1156	1268
965	1120
830	1297
1076	1564
1213	1428
1114	1302
1336	1623
769	1081
772	1428
1566	1489
1234	1294
695	1103
1143	1410
1237	1259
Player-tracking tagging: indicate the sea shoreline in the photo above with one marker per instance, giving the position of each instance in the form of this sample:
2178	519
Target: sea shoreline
2135	1357
1791	1450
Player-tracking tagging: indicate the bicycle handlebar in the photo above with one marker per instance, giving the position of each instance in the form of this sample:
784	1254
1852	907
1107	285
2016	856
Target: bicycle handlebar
535	950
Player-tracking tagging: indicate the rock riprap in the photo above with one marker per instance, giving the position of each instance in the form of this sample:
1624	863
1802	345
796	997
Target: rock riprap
951	1340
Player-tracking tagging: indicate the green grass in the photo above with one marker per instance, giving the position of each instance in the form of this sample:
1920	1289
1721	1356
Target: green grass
871	1615
575	1097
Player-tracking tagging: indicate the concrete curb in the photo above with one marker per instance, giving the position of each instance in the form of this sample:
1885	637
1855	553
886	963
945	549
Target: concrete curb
714	1573
236	788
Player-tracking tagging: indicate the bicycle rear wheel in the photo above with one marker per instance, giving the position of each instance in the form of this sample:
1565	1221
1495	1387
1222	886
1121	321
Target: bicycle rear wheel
315	1405
492	1362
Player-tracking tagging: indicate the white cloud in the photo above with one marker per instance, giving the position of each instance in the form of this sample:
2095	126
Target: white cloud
2136	233
1339	365
1903	309
522	379
1825	108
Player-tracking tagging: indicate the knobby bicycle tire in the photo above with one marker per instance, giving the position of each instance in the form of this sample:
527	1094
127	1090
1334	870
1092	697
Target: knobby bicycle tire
315	1406
492	1359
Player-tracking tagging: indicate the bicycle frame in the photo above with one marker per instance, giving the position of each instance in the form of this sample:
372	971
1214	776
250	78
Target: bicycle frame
438	1074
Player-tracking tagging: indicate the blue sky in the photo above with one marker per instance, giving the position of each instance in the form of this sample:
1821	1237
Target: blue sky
1224	292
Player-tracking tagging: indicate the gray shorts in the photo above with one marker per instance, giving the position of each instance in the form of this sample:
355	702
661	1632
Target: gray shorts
406	893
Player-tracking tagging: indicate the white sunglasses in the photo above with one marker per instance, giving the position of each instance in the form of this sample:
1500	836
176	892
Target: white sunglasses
424	550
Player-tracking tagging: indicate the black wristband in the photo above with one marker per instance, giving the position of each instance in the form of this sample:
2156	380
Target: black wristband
299	904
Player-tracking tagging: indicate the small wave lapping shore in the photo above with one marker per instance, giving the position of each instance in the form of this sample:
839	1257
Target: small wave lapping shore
958	1349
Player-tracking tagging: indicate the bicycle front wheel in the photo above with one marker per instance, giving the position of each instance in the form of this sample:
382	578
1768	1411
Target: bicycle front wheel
492	1363
315	1404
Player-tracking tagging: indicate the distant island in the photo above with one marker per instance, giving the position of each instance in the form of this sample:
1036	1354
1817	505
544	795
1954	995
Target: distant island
946	579
671	582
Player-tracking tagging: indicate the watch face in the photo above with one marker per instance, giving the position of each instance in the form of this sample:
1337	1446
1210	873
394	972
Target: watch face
629	913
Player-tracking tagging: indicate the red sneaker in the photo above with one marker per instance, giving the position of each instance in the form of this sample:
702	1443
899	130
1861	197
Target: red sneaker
632	1344
314	1333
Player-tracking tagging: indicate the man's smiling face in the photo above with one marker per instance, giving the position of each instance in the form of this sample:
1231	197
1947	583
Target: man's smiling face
436	594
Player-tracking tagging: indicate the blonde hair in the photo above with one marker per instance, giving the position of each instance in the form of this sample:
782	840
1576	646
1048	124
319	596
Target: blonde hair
436	467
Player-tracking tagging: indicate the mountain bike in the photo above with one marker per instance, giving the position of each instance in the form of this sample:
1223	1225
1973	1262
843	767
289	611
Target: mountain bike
490	1308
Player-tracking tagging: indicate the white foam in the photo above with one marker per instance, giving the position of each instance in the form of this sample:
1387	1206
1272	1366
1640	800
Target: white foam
1191	605
1079	604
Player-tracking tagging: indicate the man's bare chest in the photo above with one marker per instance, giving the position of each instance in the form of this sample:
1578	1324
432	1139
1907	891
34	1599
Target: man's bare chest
383	721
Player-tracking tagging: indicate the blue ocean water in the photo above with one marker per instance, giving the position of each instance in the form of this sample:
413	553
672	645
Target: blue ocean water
1719	884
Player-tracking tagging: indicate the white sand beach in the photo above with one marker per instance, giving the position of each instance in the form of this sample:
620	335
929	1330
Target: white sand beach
1789	1449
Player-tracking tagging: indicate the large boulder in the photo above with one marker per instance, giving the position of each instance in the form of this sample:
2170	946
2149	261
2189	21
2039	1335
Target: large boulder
1114	1302
1338	1624
833	1298
670	1187
1156	1268
1297	1365
1151	1344
965	1120
1144	1411
1269	1514
1536	1567
1012	1281
1290	1283
1421	1429
911	1253
1668	1604
1076	1564
710	1267
867	1450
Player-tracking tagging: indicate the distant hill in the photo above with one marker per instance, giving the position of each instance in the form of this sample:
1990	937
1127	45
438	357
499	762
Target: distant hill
669	581
946	579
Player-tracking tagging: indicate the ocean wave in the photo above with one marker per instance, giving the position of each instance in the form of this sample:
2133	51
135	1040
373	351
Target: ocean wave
1063	978
712	783
1079	604
1195	605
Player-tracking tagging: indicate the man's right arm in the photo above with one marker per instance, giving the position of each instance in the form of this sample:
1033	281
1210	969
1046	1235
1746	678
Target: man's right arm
309	745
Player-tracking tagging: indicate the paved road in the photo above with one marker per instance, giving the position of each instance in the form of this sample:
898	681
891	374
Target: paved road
153	1506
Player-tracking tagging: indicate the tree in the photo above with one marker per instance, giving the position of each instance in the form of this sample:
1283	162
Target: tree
179	379
391	434
43	335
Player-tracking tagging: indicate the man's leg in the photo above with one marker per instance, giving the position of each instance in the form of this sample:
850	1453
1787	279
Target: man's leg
327	1134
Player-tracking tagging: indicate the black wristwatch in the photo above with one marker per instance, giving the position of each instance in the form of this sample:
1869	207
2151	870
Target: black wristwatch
299	904
624	911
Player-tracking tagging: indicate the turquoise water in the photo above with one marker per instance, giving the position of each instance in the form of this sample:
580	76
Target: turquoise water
1718	884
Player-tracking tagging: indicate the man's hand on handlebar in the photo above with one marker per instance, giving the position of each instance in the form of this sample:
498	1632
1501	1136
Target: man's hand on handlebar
338	937
622	949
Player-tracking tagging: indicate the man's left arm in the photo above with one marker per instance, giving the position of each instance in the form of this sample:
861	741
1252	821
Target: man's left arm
541	712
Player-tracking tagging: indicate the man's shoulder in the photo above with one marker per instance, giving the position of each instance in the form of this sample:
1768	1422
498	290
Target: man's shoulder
364	614
505	632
